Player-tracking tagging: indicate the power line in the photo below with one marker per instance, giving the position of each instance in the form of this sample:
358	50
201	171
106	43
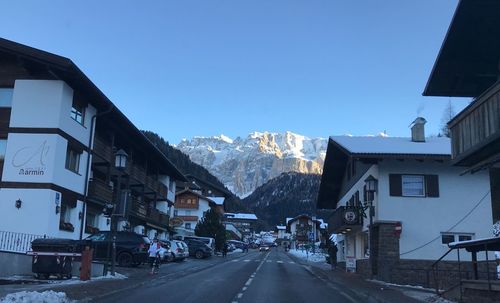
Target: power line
455	225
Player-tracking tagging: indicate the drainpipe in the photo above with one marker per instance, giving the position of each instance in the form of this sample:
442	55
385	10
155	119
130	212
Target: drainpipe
87	170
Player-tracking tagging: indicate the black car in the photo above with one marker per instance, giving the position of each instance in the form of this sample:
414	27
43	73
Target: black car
131	248
198	249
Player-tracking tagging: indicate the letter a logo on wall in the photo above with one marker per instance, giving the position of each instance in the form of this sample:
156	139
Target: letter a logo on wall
31	160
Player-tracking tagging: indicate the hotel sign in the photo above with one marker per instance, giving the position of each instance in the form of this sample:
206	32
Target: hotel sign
31	160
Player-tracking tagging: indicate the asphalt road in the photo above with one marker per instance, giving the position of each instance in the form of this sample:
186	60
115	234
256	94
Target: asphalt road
251	277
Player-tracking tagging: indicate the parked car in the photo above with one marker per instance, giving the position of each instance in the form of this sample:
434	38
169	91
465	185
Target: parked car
198	249
166	252
131	248
237	244
178	251
207	240
264	248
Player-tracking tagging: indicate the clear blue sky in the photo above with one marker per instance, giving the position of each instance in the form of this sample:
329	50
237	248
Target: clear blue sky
187	68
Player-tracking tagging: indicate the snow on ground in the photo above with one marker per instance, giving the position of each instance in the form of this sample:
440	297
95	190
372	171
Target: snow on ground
417	292
426	296
309	256
36	297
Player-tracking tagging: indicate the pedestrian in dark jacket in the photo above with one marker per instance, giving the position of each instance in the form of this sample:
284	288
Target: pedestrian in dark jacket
224	250
332	253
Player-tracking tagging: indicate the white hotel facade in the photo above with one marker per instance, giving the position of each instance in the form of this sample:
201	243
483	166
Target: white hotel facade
58	137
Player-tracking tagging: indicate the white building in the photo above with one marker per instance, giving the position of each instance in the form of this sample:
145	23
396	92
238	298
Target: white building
58	136
304	229
190	206
418	192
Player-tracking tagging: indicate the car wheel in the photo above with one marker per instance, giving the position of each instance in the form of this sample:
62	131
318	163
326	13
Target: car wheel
125	259
198	254
170	257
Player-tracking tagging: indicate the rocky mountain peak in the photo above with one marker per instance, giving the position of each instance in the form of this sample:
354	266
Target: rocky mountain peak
243	164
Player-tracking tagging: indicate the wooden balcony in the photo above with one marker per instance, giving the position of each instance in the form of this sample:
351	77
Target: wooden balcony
139	209
138	173
344	218
100	191
102	148
475	132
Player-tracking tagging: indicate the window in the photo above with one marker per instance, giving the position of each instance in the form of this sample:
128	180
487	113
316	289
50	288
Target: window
413	186
72	160
3	147
176	213
6	97
77	113
187	225
447	238
65	214
91	219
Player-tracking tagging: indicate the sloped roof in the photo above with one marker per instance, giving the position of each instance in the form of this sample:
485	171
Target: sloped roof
218	200
467	63
240	216
64	69
393	145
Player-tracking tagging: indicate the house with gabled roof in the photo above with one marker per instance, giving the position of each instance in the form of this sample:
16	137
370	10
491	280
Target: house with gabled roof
420	203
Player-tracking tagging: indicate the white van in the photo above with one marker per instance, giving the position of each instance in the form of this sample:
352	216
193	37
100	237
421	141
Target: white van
207	240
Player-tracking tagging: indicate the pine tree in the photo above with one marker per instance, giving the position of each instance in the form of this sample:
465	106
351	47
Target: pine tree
448	114
210	226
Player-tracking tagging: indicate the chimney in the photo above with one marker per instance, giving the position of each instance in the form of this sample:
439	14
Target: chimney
418	130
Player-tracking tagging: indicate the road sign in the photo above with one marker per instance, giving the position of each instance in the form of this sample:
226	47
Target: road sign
311	236
350	264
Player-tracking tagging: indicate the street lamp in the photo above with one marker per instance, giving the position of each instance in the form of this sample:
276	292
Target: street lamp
120	164
371	189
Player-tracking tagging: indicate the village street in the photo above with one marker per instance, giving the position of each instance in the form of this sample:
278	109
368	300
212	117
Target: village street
251	277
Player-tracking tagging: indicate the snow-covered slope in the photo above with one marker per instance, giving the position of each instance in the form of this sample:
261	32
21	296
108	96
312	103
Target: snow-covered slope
243	164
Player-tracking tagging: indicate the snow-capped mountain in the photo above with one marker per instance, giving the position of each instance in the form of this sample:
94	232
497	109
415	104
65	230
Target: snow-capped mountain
243	164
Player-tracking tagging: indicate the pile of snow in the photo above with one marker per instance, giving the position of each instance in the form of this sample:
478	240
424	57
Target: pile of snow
237	250
36	297
309	256
117	276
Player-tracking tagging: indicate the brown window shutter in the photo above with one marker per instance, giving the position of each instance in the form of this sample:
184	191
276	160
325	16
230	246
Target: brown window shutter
395	185
364	194
432	186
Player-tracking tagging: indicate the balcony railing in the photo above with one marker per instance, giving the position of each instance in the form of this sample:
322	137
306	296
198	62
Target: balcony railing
476	126
17	242
100	191
102	148
138	173
139	208
344	218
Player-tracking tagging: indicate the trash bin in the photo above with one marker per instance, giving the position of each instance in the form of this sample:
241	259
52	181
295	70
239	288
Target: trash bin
53	257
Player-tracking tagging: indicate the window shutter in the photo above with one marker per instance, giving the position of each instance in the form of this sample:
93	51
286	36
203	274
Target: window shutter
432	186
395	185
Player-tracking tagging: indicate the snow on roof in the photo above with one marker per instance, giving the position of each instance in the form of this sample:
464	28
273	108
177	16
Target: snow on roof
394	145
281	227
218	200
241	216
288	219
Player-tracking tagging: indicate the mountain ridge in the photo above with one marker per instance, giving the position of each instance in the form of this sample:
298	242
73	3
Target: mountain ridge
243	164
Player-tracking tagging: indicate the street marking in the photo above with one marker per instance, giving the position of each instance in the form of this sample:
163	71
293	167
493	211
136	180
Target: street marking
246	260
269	261
291	262
248	282
244	288
281	262
240	295
250	279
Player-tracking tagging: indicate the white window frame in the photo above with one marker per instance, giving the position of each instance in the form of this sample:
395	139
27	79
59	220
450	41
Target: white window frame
72	164
456	237
405	191
77	114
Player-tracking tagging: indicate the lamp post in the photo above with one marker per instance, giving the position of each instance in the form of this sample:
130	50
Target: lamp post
120	164
371	189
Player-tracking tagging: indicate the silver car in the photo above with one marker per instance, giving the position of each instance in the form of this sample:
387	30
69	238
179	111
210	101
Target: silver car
178	251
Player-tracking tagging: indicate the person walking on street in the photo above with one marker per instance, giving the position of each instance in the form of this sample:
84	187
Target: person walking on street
154	256
224	250
332	252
